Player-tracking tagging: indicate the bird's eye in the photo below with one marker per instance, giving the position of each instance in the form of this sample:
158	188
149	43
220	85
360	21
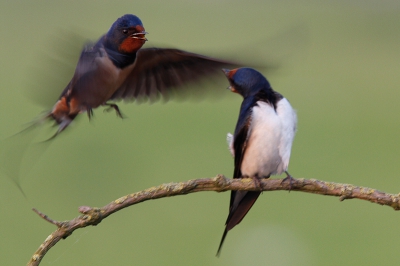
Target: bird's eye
125	31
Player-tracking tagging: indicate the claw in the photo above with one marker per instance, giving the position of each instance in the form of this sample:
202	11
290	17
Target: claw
257	181
288	176
115	107
90	113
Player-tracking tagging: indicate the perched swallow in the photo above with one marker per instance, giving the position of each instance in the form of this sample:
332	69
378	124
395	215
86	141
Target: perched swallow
117	67
263	138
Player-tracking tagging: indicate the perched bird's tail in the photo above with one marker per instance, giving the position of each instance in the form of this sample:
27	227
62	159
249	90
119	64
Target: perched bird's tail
242	203
222	241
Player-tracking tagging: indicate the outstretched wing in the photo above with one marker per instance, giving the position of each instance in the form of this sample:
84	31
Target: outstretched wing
164	72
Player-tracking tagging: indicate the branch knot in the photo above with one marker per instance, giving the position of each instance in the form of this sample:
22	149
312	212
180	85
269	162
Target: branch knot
221	182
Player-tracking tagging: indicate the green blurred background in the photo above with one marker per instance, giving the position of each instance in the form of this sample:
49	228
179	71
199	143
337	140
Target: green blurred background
340	63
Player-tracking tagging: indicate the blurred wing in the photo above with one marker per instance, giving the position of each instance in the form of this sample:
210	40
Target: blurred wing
86	64
163	72
86	61
52	68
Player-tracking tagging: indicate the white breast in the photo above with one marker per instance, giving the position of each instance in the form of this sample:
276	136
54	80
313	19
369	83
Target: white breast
270	139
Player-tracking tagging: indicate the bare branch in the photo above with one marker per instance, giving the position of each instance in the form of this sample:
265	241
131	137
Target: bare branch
93	216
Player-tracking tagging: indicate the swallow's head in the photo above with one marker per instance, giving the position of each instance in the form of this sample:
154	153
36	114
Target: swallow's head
246	81
126	35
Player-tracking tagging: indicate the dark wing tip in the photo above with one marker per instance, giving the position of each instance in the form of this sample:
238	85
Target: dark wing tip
170	73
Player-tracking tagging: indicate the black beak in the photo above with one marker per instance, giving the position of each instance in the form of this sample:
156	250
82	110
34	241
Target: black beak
226	71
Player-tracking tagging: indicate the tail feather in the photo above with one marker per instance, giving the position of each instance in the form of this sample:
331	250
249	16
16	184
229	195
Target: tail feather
62	125
14	153
238	211
21	151
222	242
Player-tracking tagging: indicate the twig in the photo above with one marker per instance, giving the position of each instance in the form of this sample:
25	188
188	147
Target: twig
93	216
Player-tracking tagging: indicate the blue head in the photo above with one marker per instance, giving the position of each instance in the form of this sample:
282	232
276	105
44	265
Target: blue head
247	81
126	35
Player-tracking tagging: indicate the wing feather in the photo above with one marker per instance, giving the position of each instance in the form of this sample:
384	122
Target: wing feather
164	72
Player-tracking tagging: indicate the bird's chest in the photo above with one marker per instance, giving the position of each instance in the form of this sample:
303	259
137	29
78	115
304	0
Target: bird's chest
112	77
262	156
98	85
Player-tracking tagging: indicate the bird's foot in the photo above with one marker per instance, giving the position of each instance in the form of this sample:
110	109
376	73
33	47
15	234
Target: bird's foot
290	178
257	182
115	107
90	113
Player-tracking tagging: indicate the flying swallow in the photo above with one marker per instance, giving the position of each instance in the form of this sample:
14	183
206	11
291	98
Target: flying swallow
116	67
263	138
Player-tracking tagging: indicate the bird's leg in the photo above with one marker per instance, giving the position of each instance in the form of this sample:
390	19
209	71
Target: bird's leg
257	182
90	113
288	176
115	107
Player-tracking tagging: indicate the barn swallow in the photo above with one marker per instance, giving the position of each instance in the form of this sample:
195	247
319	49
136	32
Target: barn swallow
263	138
116	67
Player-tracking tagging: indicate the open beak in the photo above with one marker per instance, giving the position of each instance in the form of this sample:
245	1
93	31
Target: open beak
140	35
226	72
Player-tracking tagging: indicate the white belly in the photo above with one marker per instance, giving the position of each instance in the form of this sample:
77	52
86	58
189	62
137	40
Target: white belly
270	139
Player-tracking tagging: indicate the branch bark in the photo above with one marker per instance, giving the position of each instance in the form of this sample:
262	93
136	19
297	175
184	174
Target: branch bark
93	216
